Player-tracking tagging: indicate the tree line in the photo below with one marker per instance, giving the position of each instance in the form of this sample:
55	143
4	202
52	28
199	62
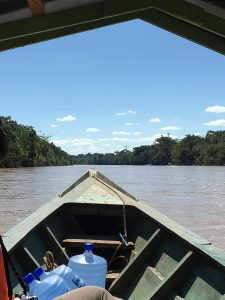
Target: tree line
191	150
28	149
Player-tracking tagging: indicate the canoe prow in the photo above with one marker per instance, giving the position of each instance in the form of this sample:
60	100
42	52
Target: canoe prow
96	175
158	258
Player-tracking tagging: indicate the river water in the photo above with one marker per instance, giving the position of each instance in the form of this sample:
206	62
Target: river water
192	196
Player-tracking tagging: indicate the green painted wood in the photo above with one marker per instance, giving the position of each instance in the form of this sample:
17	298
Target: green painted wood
26	259
145	279
34	243
126	275
205	281
186	30
52	244
45	27
168	254
158	251
174	278
195	241
93	209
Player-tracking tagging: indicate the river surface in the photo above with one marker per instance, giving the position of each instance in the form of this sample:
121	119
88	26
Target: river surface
192	196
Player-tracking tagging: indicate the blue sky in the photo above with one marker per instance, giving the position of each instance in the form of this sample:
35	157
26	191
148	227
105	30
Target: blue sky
115	87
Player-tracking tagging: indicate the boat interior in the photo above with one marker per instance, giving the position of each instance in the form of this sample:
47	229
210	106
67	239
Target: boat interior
152	262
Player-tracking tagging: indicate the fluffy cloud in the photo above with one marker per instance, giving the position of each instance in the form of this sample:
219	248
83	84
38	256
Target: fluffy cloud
119	139
126	133
131	124
105	145
53	125
170	128
103	140
215	109
68	118
137	133
131	112
92	129
220	122
151	139
76	146
121	133
155	120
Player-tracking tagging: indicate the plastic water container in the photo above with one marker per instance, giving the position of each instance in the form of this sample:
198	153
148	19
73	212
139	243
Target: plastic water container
91	268
66	273
46	289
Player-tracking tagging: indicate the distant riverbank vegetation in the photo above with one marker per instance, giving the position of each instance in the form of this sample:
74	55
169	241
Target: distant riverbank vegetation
191	150
28	149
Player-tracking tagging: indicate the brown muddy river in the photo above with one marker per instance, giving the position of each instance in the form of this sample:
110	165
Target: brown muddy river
192	196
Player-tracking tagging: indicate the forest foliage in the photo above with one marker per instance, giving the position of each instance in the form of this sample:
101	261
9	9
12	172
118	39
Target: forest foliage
28	149
191	150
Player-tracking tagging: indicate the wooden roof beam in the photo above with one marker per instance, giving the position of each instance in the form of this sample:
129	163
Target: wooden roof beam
36	7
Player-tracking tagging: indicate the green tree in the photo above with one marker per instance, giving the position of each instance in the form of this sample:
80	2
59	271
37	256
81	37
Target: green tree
161	150
188	150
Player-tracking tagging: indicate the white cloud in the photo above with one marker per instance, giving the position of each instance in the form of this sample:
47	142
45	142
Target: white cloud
53	125
131	112
131	124
155	120
104	145
76	146
103	140
170	128
92	129
220	122
121	133
126	133
119	139
69	141
146	139
137	133
150	139
215	109
121	114
68	118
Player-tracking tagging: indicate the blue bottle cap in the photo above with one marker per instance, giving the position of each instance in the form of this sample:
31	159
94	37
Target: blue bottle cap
88	246
38	272
28	278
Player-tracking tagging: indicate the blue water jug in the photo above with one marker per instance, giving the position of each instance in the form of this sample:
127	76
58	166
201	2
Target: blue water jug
46	289
66	273
91	268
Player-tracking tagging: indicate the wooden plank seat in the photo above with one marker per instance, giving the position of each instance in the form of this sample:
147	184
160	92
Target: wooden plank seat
110	277
98	241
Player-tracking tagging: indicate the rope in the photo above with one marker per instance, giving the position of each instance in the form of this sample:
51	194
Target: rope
124	204
49	261
121	269
114	257
114	254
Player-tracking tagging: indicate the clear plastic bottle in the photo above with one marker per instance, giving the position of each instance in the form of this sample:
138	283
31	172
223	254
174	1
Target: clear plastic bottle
66	273
91	268
46	289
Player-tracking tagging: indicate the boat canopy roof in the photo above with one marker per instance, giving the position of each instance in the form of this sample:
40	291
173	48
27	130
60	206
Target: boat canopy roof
24	22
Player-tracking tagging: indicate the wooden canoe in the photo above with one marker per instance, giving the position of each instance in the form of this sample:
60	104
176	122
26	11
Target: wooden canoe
159	260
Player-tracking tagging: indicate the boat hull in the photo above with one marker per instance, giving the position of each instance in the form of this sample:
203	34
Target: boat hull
159	260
